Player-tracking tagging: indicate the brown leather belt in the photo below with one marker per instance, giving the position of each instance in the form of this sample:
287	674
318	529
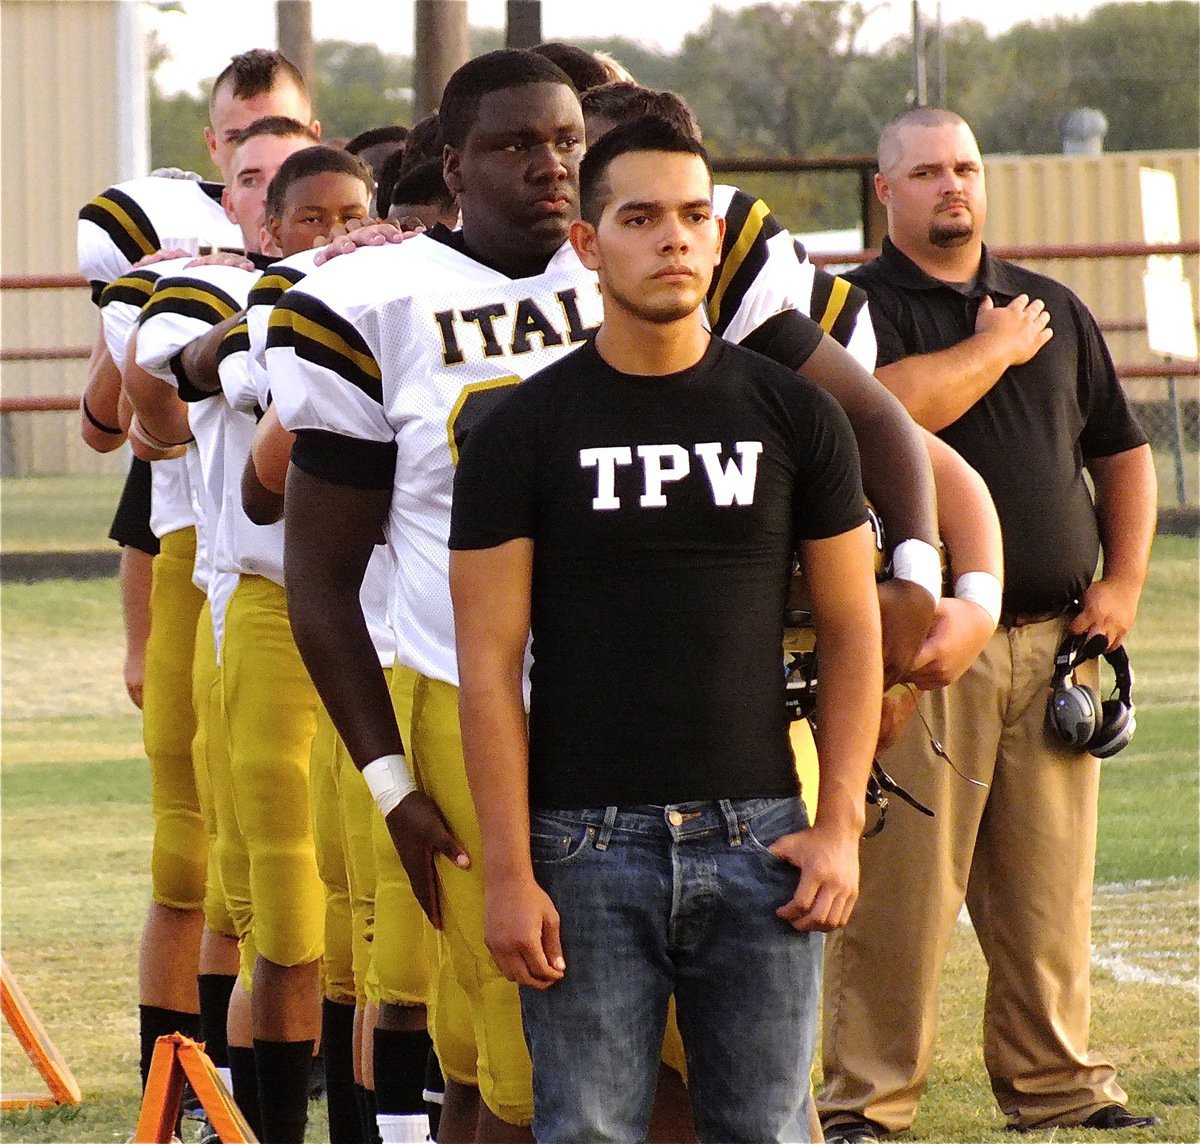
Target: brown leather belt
1022	619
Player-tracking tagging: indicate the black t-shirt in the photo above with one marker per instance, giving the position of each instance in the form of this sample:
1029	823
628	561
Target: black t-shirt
1031	433
665	512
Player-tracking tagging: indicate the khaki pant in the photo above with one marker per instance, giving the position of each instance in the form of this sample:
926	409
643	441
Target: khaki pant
1021	853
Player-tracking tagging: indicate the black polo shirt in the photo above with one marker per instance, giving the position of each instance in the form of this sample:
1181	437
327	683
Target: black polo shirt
1031	433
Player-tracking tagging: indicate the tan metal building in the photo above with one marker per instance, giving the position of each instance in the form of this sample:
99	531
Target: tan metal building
72	122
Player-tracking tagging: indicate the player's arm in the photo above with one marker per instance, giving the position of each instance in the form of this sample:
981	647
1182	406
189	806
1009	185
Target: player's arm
199	359
99	420
264	479
839	572
938	388
330	530
160	426
490	589
135	575
1127	510
965	621
898	480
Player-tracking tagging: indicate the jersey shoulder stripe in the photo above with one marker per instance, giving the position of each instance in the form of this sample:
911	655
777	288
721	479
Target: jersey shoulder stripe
314	333
235	341
192	298
268	289
836	305
124	221
749	224
134	289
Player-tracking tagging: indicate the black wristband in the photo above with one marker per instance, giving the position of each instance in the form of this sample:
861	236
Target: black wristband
98	423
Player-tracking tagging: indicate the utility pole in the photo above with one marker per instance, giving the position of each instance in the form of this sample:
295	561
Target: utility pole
293	33
523	23
920	95
441	46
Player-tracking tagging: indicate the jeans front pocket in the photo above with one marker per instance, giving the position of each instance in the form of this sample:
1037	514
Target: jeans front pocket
558	839
770	823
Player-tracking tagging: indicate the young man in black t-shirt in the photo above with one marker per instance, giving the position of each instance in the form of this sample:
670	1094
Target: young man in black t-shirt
638	506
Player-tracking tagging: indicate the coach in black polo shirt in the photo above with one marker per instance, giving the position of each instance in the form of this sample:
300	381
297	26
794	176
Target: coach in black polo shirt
1008	367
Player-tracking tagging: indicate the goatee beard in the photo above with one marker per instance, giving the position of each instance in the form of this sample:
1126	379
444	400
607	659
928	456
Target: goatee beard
950	234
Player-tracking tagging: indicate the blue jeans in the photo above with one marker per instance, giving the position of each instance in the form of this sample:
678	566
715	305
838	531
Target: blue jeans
659	900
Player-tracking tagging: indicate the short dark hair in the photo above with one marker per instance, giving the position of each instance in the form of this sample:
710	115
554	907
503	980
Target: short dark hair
424	142
314	161
622	102
646	133
493	71
390	133
282	126
423	184
256	71
584	69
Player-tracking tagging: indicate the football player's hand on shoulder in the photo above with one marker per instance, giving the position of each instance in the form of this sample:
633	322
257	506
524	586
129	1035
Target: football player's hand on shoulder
344	239
221	258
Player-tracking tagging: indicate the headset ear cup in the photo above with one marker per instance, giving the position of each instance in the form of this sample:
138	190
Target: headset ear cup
1073	714
1117	725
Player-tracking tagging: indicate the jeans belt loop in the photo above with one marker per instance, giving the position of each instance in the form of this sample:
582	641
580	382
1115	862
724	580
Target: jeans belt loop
606	830
732	826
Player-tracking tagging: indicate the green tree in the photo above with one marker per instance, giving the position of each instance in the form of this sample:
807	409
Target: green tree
358	86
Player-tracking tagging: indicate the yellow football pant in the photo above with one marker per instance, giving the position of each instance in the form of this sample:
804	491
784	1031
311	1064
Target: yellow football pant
211	760
179	856
271	717
399	961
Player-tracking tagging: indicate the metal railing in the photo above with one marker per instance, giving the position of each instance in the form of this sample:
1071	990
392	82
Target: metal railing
1176	425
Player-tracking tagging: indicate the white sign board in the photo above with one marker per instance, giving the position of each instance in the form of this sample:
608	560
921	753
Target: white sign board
1160	206
1170	315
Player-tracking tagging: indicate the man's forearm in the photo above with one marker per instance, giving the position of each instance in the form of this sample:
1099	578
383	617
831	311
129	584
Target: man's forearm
1127	512
967	518
496	750
199	356
330	532
938	388
897	476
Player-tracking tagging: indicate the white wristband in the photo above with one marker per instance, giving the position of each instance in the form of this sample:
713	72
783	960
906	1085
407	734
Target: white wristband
919	562
389	780
980	588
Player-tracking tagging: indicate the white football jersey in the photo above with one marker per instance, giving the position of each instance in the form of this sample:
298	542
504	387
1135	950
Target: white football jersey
125	223
121	302
246	385
186	303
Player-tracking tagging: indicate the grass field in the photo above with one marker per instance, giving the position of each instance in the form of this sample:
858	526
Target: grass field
76	833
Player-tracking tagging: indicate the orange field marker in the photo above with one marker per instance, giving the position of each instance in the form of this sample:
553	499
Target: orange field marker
175	1059
38	1047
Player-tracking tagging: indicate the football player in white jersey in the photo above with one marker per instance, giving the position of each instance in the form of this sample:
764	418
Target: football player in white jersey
117	229
382	362
186	304
390	967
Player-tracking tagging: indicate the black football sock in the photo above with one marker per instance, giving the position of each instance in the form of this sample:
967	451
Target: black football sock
283	1069
337	1043
400	1061
366	1111
215	990
245	1086
435	1092
154	1022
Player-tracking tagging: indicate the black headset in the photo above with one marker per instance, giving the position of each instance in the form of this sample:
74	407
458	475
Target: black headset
1075	710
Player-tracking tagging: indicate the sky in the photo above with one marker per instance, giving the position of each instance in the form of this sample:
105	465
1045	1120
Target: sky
203	36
